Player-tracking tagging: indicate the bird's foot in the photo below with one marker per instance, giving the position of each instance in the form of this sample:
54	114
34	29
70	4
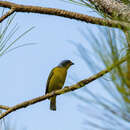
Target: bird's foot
53	92
66	87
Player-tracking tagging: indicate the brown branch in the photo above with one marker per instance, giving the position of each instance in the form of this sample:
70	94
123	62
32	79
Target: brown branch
64	90
117	10
11	11
4	107
64	13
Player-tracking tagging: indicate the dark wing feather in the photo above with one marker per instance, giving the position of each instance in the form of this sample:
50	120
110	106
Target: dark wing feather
48	80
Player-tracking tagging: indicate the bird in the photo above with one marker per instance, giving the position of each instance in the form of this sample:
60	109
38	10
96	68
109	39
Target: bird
56	80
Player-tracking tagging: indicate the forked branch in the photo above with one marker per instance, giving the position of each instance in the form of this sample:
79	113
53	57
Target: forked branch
11	11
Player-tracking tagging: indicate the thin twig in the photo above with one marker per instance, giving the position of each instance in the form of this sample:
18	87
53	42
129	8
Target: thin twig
66	14
64	90
11	11
4	107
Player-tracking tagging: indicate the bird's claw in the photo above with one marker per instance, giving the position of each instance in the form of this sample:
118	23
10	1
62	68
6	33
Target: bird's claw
66	87
53	92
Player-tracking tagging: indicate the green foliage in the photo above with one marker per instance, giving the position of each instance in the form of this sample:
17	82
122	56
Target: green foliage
107	47
7	33
8	39
87	4
127	2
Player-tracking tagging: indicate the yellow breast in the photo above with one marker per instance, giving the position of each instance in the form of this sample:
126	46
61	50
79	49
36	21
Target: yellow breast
58	78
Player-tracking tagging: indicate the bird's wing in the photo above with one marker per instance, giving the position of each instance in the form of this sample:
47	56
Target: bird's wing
48	80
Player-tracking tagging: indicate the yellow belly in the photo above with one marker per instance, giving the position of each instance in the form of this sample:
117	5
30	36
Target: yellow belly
58	79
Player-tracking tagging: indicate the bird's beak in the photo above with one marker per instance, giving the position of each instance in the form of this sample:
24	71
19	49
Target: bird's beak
72	63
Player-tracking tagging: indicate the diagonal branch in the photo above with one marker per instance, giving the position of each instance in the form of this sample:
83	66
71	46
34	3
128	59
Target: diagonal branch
66	14
11	11
64	90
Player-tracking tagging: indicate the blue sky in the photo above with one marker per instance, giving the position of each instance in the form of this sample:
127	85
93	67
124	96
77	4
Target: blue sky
24	71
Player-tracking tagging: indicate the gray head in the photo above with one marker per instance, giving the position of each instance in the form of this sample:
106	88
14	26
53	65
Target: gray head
66	63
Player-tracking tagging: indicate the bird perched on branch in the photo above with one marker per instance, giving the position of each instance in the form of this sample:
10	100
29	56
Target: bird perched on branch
56	80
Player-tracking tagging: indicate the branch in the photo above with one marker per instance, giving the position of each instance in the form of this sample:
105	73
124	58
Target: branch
117	10
11	11
4	107
64	90
67	14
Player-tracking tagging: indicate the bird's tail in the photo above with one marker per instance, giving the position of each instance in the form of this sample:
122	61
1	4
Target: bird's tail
53	103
